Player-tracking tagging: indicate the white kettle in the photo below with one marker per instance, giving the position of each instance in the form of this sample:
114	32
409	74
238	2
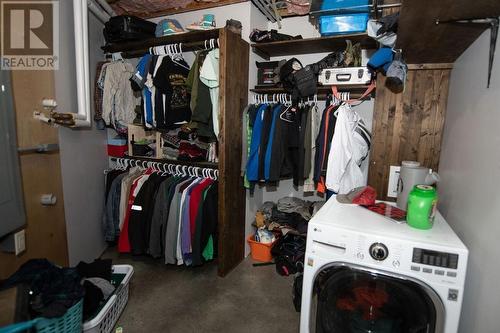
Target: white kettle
412	174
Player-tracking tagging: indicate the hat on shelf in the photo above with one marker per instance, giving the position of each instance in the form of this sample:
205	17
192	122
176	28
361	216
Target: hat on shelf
364	195
206	23
168	27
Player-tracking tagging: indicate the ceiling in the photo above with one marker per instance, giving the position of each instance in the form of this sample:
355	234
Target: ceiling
155	8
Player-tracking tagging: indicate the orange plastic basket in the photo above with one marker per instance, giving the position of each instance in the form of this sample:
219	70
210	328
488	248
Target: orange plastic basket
260	251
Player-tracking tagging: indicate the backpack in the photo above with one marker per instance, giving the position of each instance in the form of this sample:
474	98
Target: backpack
288	252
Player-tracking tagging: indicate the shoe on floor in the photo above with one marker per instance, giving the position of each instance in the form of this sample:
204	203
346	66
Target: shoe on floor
206	23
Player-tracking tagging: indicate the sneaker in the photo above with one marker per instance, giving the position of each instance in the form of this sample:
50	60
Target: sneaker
168	27
206	23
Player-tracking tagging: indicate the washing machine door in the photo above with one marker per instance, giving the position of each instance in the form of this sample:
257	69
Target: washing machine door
353	299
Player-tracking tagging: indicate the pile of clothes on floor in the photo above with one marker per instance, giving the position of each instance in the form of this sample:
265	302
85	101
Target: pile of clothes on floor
49	291
284	224
289	215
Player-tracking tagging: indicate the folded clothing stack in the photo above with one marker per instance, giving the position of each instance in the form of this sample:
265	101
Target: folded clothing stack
171	144
193	151
191	147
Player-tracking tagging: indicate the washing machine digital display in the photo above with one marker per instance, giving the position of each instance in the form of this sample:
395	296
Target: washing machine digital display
435	258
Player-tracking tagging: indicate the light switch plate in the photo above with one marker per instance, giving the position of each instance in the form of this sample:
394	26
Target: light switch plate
20	241
392	188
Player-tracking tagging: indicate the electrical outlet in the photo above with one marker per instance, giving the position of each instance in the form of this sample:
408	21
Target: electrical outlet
392	188
20	241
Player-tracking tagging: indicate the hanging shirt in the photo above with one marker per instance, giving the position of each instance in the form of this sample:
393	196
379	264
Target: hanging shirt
125	192
269	149
186	224
159	219
209	75
253	158
183	191
111	222
173	224
183	238
194	203
123	241
141	215
208	240
315	123
346	153
119	102
323	142
172	106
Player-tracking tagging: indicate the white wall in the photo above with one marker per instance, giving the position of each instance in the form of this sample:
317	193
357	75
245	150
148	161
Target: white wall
470	172
83	151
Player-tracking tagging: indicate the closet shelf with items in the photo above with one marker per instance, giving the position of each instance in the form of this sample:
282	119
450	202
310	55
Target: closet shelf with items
167	118
311	45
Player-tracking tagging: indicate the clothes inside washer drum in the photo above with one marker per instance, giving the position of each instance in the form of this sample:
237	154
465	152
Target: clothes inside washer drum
354	301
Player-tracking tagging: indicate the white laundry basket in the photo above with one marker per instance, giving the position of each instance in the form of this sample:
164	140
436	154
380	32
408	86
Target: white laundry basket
106	319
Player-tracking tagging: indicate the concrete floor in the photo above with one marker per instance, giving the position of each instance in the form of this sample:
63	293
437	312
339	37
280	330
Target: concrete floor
165	298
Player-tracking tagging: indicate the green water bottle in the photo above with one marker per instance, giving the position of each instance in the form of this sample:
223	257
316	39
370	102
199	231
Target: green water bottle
422	202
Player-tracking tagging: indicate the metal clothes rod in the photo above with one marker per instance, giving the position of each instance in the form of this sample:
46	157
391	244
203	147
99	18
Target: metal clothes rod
186	47
275	98
168	168
194	39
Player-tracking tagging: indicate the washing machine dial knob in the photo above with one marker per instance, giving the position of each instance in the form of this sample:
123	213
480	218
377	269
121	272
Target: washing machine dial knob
379	251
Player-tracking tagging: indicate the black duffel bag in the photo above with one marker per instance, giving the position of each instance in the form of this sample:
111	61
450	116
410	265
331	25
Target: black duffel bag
288	253
127	28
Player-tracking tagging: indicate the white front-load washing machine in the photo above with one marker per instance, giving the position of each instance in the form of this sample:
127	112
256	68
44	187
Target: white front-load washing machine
366	273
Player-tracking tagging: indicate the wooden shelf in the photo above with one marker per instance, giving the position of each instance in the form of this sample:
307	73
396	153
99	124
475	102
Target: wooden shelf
311	45
424	41
189	40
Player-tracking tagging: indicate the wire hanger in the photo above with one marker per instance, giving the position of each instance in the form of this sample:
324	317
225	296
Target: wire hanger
177	57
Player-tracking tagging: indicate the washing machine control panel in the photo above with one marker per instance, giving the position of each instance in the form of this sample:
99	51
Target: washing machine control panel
379	251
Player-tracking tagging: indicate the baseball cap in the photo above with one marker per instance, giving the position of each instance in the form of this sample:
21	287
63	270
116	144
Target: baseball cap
364	195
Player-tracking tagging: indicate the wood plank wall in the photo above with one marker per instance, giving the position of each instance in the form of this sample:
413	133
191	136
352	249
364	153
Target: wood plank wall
408	125
40	173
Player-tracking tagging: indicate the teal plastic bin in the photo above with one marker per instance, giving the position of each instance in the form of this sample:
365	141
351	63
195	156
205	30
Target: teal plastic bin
343	24
71	322
337	17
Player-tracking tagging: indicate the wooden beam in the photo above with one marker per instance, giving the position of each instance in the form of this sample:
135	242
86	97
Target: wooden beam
233	97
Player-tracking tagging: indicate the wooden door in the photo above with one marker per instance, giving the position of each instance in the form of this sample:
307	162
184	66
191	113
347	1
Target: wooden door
408	125
40	174
233	97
